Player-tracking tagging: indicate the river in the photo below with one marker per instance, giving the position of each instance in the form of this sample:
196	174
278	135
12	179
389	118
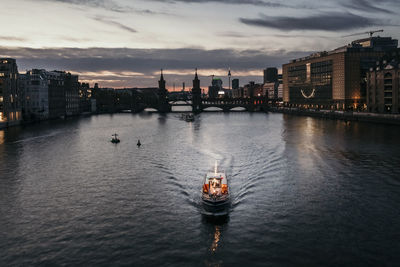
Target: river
305	191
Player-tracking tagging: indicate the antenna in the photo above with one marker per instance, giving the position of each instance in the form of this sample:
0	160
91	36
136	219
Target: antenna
229	76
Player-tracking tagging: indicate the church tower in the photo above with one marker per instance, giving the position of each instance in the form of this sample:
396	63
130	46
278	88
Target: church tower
196	94
163	105
161	82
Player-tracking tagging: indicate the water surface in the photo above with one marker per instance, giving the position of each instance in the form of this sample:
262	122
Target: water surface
306	192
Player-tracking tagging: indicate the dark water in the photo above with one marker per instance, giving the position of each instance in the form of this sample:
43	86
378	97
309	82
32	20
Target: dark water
306	192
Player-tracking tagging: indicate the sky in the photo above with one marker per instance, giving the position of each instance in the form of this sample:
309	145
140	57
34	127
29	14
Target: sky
125	43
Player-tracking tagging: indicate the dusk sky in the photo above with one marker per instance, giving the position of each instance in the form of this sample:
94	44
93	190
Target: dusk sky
121	43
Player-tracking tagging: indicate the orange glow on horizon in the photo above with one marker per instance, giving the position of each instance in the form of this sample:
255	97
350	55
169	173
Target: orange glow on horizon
131	79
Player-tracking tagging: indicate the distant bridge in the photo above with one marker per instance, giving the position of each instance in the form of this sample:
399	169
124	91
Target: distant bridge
225	104
158	99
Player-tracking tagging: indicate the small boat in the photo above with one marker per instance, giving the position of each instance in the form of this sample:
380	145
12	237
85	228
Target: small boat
215	193
138	143
115	139
188	117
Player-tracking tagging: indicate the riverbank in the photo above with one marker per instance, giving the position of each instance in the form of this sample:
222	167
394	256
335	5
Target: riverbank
5	125
342	115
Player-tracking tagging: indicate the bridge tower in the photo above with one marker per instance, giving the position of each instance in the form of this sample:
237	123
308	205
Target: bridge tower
163	105
196	94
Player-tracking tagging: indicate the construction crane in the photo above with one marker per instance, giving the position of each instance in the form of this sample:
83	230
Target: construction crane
360	33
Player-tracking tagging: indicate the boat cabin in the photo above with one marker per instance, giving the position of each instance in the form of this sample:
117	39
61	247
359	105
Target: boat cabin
215	184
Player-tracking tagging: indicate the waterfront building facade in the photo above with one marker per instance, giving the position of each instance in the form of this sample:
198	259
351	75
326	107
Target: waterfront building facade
237	93
271	89
10	106
280	91
253	90
56	81
35	93
85	98
72	99
383	85
335	79
280	87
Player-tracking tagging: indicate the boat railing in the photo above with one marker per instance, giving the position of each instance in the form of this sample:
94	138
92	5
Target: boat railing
212	197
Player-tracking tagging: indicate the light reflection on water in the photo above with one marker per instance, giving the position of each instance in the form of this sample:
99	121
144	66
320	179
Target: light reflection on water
214	244
304	191
1	137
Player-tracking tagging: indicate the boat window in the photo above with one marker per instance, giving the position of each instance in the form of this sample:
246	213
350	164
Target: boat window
216	183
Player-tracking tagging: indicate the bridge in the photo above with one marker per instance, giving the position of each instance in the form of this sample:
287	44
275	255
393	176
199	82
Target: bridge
159	101
226	104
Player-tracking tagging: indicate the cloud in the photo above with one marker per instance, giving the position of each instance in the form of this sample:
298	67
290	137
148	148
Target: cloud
233	2
12	38
114	23
232	34
238	35
137	67
145	60
333	21
365	5
109	5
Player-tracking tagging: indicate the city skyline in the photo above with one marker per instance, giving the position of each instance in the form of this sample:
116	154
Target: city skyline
124	44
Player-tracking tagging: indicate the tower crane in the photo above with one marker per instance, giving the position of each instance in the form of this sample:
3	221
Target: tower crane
360	33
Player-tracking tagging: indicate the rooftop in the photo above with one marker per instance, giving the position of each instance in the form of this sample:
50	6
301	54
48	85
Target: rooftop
366	44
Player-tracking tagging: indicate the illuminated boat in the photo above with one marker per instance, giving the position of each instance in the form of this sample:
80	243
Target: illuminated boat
215	193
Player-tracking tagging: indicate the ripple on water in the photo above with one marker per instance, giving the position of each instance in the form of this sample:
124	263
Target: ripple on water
303	187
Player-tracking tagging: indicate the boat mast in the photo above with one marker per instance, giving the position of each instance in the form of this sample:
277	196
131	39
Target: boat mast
216	167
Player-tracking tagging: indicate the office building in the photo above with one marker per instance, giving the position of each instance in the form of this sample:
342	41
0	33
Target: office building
235	84
215	88
270	75
253	90
85	98
271	90
335	79
56	82
72	99
10	106
383	84
35	94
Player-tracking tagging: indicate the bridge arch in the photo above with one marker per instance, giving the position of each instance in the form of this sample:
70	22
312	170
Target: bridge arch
238	108
213	108
150	109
